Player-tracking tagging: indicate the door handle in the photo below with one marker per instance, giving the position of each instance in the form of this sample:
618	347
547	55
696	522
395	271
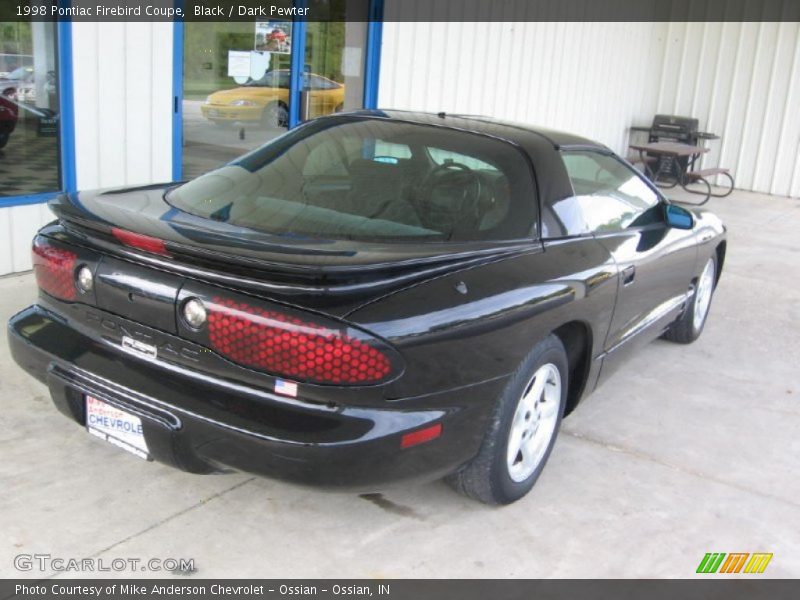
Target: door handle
628	274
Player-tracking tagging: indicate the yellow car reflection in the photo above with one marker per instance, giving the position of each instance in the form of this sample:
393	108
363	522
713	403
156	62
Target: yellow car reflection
266	100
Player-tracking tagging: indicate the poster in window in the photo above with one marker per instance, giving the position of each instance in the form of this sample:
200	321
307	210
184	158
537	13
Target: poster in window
274	36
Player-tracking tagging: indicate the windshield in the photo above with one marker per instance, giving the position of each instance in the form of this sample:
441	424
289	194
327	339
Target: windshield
372	179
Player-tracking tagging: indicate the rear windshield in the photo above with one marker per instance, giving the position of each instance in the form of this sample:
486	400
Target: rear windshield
372	179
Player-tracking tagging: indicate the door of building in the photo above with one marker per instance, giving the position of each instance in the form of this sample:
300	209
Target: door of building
242	84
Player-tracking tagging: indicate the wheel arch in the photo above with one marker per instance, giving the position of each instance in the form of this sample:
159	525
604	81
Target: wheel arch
577	339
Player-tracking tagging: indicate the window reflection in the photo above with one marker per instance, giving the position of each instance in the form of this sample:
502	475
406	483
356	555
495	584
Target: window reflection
29	146
235	89
609	196
237	76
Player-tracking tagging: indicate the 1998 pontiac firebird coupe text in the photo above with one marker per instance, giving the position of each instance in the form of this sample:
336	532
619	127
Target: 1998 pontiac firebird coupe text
373	296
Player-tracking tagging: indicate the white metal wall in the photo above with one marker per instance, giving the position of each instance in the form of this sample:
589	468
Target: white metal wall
742	80
18	224
588	78
123	103
597	79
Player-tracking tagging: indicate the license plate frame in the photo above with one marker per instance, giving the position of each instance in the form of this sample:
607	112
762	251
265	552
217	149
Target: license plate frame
116	426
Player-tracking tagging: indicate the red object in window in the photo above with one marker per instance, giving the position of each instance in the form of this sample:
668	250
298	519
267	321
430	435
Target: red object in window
140	241
55	270
421	436
290	346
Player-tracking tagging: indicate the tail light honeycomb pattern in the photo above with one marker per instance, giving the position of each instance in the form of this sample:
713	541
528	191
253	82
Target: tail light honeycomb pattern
55	270
286	345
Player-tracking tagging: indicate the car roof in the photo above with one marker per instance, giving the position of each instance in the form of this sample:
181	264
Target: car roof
507	130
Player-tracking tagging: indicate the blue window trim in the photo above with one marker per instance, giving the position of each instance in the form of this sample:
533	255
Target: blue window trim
177	101
372	64
66	123
297	66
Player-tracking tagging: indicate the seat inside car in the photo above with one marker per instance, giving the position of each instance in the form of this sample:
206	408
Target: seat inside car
380	190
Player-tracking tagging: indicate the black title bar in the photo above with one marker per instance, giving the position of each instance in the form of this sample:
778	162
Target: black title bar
712	588
401	10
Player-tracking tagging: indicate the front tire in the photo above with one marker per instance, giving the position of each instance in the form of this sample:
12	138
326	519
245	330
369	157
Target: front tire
522	431
690	324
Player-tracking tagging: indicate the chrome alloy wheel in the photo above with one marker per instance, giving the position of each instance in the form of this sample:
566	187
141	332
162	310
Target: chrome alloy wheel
705	288
534	422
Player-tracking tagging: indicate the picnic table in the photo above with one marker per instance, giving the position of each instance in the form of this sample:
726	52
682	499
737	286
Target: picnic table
669	173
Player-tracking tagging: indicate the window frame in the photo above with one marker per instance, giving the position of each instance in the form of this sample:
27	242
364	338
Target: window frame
66	133
372	67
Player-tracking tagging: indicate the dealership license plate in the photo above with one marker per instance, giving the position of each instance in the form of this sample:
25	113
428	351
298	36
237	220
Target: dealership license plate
116	426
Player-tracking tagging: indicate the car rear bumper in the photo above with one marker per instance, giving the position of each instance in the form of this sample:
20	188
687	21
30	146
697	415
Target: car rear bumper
190	420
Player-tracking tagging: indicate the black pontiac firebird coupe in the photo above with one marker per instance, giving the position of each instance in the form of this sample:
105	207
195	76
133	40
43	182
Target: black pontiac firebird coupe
373	296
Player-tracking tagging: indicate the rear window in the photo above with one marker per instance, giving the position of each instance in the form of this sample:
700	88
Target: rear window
372	179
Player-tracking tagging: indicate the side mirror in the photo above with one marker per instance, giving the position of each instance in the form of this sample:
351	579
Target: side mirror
678	217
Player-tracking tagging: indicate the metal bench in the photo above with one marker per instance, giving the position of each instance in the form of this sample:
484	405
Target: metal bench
704	174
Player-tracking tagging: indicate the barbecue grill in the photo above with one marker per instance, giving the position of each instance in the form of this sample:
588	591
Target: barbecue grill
673	128
670	128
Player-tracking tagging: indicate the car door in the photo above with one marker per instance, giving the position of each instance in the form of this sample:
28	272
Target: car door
655	262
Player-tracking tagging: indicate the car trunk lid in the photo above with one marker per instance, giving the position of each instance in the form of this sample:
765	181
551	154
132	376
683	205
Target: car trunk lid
332	276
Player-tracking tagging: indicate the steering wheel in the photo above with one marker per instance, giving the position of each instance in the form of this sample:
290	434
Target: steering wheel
465	208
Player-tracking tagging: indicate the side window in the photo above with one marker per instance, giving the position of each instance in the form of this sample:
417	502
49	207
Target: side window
609	195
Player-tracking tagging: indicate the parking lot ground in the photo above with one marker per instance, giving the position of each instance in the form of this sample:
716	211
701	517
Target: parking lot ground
686	450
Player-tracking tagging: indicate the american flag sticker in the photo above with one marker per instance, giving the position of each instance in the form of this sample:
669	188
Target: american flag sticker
286	388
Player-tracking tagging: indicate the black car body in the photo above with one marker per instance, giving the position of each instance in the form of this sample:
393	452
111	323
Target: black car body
434	329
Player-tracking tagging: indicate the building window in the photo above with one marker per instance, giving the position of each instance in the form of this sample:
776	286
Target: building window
237	81
29	109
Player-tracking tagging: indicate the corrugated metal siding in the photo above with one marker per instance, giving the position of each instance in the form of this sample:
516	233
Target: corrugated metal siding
589	78
18	224
742	80
123	103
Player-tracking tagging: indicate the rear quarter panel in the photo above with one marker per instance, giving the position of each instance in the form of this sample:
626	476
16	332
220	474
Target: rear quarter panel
478	324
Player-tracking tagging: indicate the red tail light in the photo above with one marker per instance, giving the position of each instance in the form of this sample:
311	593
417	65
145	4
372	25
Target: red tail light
421	436
293	347
140	241
55	270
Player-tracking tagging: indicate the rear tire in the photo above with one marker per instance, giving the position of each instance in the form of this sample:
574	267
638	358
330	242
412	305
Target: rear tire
522	431
4	137
690	324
